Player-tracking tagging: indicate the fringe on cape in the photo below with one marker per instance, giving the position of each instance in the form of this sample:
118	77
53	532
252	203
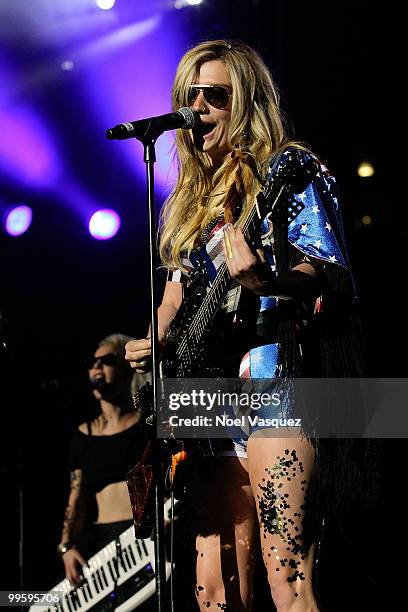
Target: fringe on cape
346	470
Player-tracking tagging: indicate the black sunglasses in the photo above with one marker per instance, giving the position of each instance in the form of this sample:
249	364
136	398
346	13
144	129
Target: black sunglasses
110	359
216	95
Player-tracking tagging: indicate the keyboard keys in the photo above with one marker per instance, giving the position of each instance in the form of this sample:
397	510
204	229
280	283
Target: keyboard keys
104	577
112	571
131	555
139	550
126	557
105	572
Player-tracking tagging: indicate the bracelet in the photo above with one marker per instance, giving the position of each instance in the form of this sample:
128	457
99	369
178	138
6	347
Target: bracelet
64	547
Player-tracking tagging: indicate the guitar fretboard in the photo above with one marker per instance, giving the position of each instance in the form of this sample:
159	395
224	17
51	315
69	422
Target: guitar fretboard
222	282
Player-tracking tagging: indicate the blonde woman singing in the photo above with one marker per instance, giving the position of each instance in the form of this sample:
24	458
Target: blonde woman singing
256	491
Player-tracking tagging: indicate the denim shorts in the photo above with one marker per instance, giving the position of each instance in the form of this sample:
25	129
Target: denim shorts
237	446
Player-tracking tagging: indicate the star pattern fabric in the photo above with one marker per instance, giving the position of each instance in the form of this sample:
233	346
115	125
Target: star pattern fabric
318	231
260	362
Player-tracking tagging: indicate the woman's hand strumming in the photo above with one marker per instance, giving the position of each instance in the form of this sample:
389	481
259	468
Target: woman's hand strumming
242	264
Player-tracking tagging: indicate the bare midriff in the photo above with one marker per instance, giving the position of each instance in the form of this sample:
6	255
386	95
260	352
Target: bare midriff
114	503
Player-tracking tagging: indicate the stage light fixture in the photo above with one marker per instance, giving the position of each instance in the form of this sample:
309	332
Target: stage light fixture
365	169
366	220
67	65
179	4
18	220
105	5
104	224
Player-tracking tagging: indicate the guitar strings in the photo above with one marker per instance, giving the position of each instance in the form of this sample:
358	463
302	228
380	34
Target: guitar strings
196	321
219	279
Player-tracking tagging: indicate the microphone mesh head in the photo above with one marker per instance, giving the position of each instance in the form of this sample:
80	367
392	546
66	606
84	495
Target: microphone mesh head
190	117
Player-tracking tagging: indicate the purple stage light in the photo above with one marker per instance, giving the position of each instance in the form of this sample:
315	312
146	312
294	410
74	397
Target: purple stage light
18	220
105	4
104	224
134	81
26	150
67	65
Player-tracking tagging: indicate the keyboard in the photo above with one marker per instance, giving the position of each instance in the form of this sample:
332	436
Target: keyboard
120	576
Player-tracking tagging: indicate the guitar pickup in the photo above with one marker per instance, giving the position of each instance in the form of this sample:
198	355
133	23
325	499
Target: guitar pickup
230	303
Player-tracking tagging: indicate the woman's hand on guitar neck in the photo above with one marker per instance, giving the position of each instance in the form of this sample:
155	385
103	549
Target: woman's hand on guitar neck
138	353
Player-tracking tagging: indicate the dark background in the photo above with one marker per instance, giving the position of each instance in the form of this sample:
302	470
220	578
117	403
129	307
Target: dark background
61	291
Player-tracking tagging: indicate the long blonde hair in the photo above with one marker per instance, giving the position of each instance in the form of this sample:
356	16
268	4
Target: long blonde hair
256	131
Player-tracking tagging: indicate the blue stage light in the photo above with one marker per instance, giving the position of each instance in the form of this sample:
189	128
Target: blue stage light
105	4
104	224
18	220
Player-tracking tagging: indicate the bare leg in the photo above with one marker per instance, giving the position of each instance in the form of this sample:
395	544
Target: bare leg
228	538
279	471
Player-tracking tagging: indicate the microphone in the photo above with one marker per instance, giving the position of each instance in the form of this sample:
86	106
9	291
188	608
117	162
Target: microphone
152	127
97	383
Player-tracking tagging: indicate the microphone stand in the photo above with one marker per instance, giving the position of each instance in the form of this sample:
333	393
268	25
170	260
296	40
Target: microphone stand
148	139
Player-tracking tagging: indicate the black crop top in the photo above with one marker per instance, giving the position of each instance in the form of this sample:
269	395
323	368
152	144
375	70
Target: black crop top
106	459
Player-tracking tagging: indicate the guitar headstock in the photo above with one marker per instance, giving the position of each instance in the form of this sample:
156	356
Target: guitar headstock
291	173
294	168
142	398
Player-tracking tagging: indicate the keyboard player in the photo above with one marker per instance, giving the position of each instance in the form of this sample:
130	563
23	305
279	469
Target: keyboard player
102	452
